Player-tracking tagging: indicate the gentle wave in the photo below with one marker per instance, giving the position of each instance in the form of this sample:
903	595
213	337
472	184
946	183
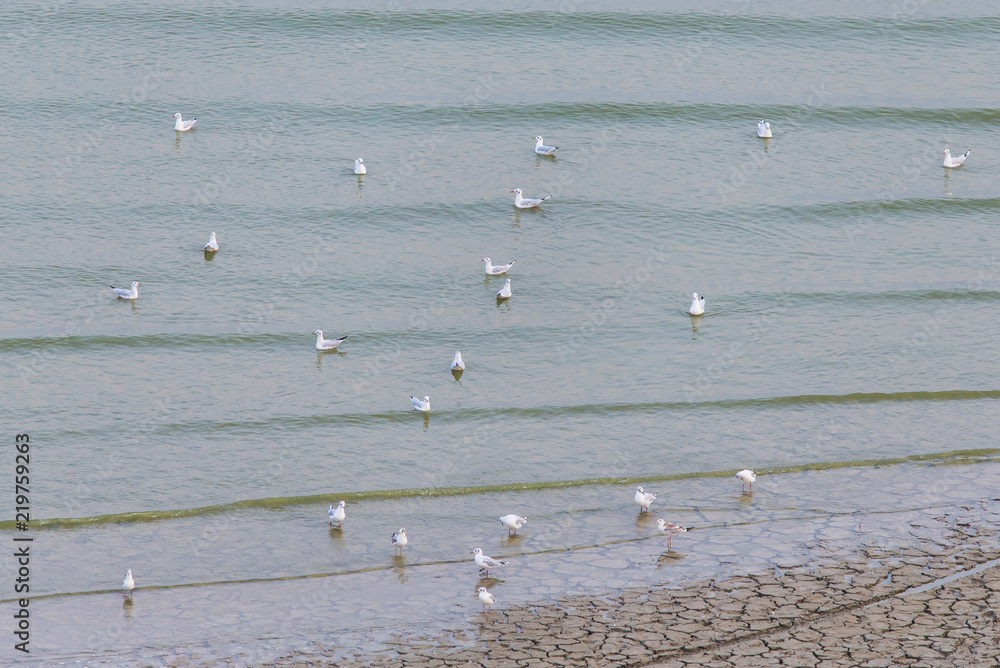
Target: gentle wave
275	503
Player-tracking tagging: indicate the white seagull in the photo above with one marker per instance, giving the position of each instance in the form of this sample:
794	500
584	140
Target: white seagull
486	563
697	304
644	499
497	269
951	162
183	126
748	477
526	202
542	149
670	530
421	404
485	598
337	514
359	167
504	292
457	364
213	245
125	293
129	583
763	129
327	344
399	539
513	523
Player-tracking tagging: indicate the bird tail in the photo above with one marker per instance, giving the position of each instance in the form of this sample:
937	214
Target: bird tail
342	337
547	197
967	153
512	262
113	287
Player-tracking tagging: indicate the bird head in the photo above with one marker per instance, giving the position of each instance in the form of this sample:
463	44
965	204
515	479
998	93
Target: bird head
638	489
318	332
342	504
135	283
478	550
486	259
177	115
947	152
481	590
516	191
539	138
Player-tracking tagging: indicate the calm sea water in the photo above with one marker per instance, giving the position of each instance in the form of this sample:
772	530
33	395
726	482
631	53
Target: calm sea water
195	436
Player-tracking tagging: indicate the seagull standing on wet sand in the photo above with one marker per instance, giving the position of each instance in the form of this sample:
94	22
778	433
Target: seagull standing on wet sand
670	530
359	167
504	292
748	477
513	523
337	514
526	202
183	126
486	563
697	304
485	598
496	270
644	499
457	364
213	245
129	584
125	293
951	162
542	149
327	344
399	540
421	404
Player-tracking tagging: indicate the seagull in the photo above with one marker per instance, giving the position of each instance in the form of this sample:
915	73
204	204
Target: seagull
644	499
513	523
337	514
124	293
542	149
129	583
951	162
421	404
504	292
697	304
763	129
670	530
359	167
399	539
496	270
212	246
525	202
748	477
485	598
327	344
183	126
457	364
486	563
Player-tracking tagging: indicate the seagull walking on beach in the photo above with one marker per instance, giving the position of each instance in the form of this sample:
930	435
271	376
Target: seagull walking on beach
399	540
542	149
129	584
183	126
421	404
763	129
337	514
644	499
951	162
504	292
497	269
359	167
457	364
513	523
670	530
213	245
697	304
125	293
486	563
748	477
327	344
526	202
486	599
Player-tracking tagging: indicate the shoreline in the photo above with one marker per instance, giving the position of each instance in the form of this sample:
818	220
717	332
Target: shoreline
933	603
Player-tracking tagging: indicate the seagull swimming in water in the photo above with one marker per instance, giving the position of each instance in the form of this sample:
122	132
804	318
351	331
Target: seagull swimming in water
526	202
748	477
399	539
504	292
951	162
485	598
763	129
697	304
497	269
644	499
213	245
457	364
421	404
513	523
337	514
125	293
327	344
542	149
129	584
670	530
359	167
486	563
183	126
